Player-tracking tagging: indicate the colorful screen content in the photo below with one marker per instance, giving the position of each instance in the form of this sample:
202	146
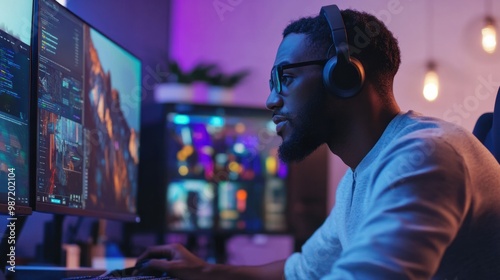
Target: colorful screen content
89	116
190	205
15	80
235	151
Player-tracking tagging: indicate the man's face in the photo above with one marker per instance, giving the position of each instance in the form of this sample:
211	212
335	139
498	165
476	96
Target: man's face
299	110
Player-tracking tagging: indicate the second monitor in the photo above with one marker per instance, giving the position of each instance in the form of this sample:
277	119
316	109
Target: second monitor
222	171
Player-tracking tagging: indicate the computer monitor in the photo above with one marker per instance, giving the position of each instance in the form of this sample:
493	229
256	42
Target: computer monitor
89	101
15	97
221	163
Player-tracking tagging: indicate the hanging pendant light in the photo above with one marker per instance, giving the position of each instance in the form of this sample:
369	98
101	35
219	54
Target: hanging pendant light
431	82
431	78
489	35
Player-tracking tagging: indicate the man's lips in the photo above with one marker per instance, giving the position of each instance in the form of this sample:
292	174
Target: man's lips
278	118
280	122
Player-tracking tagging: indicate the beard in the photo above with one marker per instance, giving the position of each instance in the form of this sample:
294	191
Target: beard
309	131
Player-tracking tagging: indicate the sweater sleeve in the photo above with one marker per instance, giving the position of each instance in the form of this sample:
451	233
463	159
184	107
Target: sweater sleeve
417	203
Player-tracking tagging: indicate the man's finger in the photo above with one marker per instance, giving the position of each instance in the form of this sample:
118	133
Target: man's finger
162	265
165	251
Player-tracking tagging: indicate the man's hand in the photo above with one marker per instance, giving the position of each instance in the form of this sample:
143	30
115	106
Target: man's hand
177	261
174	259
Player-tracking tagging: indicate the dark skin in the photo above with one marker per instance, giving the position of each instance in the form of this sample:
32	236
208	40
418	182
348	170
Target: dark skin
350	128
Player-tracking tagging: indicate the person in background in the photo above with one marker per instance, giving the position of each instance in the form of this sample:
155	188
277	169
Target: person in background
421	199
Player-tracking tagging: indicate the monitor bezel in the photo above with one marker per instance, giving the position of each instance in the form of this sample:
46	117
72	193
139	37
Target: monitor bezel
64	210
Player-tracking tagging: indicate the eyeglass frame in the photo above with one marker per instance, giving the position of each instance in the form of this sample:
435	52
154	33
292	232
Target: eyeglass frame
275	80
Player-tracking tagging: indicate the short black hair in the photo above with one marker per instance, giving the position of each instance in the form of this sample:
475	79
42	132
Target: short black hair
368	38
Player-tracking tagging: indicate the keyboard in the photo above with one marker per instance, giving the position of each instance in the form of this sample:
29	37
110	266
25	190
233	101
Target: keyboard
58	273
121	277
125	273
50	272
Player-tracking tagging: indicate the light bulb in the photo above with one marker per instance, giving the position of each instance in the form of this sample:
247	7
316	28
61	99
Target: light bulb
431	84
489	33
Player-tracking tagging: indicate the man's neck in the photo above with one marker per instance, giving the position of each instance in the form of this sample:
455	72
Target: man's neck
366	131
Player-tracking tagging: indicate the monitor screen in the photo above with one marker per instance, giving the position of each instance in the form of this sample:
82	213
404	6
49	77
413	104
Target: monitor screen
240	205
190	205
88	119
15	87
234	151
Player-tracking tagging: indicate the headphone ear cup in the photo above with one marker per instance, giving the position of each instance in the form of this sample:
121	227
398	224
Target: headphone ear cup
328	70
343	79
358	77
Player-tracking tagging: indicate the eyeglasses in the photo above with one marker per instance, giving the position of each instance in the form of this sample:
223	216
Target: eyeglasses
277	72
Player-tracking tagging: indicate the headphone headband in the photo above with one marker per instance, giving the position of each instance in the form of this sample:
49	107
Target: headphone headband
343	75
337	27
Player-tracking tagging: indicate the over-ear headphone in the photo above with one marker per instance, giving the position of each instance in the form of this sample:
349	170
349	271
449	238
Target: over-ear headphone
343	75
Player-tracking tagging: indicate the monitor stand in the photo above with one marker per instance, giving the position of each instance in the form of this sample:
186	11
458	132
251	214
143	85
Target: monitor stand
52	241
51	250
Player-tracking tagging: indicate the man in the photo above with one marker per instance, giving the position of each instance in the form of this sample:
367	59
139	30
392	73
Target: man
421	199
